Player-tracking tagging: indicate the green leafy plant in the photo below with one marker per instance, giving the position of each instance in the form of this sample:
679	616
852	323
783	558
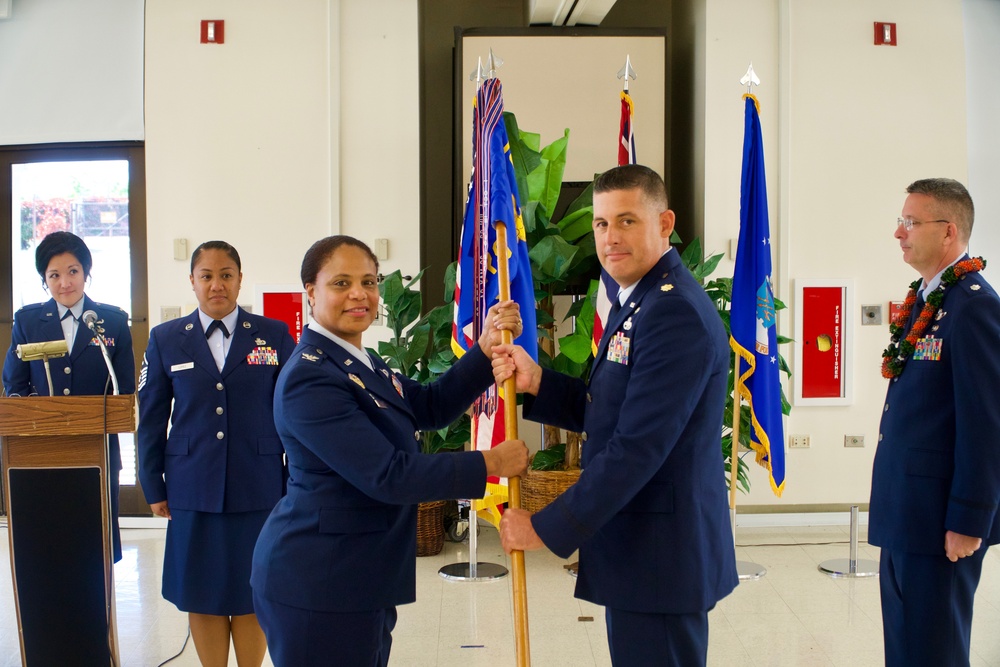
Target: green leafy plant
563	259
420	347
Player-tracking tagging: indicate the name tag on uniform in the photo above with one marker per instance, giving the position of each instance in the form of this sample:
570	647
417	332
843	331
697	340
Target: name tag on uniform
182	367
263	356
618	348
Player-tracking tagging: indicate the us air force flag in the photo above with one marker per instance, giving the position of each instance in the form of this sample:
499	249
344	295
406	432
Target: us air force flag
752	316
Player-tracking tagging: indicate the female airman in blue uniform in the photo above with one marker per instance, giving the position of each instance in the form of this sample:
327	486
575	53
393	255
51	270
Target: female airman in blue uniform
64	261
220	470
337	554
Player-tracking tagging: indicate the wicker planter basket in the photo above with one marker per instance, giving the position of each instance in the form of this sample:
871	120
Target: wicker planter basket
541	487
430	528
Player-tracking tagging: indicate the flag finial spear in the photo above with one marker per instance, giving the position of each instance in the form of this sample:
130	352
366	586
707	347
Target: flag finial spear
479	73
493	63
626	73
750	79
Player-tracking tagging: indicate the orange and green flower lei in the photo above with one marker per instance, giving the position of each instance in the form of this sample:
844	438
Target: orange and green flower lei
898	352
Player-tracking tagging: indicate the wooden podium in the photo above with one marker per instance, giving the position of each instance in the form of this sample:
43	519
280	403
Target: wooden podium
55	468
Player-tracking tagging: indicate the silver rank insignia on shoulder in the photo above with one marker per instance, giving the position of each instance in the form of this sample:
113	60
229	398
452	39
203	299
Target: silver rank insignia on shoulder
940	314
246	325
309	357
356	380
975	288
189	327
666	288
628	324
260	341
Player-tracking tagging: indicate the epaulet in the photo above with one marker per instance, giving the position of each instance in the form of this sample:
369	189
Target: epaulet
969	284
313	358
111	307
666	282
34	306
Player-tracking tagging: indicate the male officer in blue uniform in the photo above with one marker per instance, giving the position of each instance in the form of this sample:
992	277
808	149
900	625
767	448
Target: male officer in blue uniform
649	513
936	480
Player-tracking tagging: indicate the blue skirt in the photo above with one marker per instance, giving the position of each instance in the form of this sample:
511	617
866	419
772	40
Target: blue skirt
207	560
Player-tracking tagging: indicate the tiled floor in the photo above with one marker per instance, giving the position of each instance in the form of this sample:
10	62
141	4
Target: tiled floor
793	616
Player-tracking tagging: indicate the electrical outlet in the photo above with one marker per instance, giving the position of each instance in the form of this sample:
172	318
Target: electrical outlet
169	313
854	441
798	442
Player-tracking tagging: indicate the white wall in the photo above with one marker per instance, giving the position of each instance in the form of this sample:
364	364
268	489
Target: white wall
71	71
301	125
858	123
982	48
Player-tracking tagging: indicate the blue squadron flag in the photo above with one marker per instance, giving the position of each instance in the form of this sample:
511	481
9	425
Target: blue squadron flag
492	197
752	315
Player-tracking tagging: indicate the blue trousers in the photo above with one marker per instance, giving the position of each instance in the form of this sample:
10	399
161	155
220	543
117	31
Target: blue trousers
927	608
666	640
305	638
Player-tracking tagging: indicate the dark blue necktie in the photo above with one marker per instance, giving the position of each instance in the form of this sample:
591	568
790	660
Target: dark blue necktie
217	324
918	307
616	305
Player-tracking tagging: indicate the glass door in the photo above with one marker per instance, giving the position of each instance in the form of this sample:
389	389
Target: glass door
91	192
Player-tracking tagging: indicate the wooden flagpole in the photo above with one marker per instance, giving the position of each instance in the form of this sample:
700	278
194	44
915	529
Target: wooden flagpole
513	483
734	459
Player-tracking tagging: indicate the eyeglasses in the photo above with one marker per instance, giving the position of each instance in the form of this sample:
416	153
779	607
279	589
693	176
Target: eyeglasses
910	223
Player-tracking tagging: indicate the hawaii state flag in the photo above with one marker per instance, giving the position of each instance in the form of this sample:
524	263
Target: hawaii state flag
609	288
752	316
492	197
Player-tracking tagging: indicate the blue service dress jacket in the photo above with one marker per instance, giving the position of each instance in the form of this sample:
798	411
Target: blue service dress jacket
649	513
80	373
937	466
343	539
223	453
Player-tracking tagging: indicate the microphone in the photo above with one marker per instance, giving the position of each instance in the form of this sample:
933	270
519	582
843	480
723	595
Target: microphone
43	351
89	318
36	351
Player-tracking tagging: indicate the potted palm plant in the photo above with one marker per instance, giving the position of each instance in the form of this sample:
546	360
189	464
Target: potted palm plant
420	349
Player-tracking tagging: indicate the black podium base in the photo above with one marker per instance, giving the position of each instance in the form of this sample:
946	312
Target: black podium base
58	557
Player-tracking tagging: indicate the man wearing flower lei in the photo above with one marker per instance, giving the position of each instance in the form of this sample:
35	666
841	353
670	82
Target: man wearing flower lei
936	479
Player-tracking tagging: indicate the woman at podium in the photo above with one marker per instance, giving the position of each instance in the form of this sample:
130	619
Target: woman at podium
221	469
64	261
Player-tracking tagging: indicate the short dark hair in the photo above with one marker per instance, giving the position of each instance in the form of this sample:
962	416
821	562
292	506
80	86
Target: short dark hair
954	196
216	245
320	252
631	177
58	243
